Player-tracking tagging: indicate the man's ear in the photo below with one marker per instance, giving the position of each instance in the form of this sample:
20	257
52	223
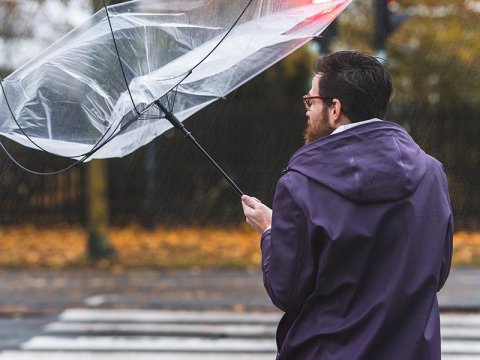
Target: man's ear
336	116
335	112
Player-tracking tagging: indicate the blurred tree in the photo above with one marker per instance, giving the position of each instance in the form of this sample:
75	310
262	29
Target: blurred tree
7	33
99	245
150	198
29	26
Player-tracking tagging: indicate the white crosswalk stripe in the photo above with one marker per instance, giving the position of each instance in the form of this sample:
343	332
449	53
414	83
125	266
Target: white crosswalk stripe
117	334
144	335
460	336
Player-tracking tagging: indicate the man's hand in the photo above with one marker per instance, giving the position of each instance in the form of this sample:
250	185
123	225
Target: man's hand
257	215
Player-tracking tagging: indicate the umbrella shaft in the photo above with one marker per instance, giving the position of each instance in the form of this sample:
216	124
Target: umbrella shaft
219	169
178	125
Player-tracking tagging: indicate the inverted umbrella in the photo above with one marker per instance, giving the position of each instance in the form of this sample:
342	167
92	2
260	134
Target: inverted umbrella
106	88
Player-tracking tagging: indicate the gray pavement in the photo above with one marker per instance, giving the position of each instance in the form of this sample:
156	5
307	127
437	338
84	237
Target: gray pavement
462	290
47	293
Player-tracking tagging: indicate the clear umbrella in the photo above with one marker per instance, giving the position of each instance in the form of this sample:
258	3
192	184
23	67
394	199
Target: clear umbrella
107	87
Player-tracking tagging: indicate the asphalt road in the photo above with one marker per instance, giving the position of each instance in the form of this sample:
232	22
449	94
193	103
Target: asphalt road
47	292
29	300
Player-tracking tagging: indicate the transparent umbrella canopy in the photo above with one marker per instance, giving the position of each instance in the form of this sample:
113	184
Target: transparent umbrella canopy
102	90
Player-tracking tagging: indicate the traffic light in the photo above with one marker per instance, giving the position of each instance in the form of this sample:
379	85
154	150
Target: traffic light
327	37
387	20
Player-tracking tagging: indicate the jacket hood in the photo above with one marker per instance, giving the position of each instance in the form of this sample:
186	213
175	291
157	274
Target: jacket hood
372	162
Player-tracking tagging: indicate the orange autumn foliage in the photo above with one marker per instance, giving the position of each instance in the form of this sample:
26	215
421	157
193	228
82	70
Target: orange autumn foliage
466	248
31	246
28	246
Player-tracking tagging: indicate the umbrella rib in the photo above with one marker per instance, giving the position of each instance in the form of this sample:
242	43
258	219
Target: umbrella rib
34	143
175	91
188	73
118	56
98	146
221	40
16	162
83	156
76	163
15	119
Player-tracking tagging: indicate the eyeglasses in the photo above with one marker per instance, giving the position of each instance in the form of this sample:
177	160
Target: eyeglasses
307	100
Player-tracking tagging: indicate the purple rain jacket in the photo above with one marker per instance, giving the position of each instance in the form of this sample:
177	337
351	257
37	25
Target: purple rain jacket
361	241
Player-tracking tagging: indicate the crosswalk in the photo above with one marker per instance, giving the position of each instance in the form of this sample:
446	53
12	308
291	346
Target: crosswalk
143	335
460	336
81	334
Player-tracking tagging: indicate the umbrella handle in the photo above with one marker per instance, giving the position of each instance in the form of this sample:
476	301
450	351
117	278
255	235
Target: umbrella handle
178	125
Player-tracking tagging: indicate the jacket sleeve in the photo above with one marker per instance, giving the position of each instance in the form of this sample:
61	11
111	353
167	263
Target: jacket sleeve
448	245
447	255
283	248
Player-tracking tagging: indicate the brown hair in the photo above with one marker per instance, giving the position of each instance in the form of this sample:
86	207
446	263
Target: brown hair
359	81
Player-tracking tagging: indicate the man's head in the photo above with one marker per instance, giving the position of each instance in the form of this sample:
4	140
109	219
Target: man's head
353	87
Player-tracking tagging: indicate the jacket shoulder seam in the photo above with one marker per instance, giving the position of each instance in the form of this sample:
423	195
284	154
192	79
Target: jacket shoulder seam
290	190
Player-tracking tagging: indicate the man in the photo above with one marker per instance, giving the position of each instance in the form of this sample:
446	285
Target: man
361	235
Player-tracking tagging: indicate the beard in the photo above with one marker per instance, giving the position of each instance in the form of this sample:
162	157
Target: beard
318	129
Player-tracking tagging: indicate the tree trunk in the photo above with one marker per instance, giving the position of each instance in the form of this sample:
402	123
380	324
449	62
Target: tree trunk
99	245
150	192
